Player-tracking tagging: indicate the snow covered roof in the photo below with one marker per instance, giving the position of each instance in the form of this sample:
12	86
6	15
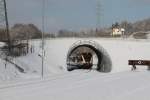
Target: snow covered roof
2	44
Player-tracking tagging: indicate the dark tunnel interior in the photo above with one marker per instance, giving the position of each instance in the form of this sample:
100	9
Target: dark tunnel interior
104	62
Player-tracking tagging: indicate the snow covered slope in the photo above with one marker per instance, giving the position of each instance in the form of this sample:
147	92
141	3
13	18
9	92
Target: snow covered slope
120	51
58	84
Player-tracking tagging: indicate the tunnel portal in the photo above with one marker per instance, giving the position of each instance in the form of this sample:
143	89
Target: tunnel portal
80	56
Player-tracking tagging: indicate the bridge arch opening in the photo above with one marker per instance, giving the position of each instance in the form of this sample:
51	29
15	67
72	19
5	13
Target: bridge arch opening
78	57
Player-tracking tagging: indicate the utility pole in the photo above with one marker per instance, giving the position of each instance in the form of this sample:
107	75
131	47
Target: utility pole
98	15
7	27
43	31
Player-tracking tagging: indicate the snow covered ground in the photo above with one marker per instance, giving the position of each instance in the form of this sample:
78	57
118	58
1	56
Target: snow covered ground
82	85
120	51
58	84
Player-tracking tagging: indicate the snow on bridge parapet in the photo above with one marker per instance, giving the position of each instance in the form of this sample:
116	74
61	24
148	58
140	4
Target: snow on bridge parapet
81	42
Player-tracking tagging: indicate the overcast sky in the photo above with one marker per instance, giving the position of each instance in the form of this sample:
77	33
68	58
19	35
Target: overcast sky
76	14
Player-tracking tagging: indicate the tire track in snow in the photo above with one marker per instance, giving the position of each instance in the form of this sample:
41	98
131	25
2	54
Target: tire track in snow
76	80
79	84
58	85
40	80
55	84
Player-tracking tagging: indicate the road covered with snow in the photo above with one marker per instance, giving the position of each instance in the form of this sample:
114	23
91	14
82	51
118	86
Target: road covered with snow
82	85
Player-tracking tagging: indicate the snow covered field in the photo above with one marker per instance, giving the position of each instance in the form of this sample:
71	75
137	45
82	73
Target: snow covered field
82	85
58	84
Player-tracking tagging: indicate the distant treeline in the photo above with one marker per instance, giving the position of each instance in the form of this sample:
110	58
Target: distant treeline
30	31
138	26
21	31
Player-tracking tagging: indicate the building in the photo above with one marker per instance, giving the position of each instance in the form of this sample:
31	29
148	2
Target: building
118	31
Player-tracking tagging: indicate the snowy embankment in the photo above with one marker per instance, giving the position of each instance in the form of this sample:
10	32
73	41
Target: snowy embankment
78	84
119	51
